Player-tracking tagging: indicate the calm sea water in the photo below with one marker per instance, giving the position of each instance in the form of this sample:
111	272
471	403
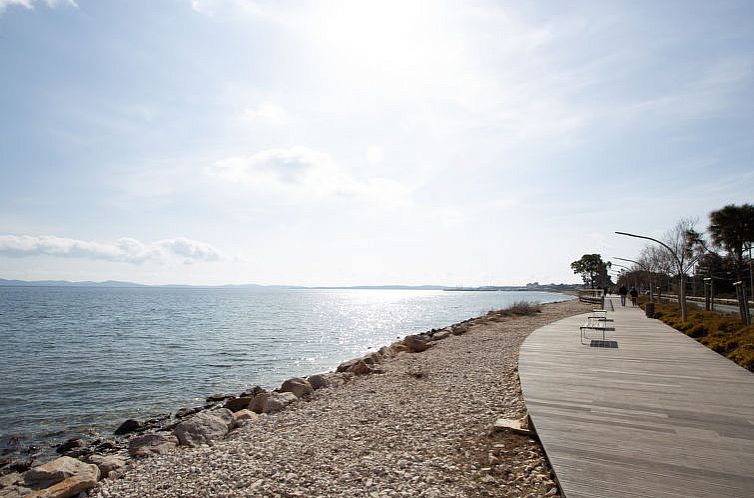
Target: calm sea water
80	359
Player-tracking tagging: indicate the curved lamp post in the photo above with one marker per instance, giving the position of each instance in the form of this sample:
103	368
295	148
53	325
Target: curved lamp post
651	291
679	265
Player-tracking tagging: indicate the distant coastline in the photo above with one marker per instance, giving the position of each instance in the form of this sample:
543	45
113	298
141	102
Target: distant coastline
120	284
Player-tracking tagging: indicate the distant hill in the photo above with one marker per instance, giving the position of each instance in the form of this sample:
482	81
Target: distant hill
66	283
116	283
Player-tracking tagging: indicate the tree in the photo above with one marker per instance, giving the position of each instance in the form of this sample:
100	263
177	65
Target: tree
732	228
686	246
592	269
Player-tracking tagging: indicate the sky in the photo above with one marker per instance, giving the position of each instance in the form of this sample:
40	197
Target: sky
348	143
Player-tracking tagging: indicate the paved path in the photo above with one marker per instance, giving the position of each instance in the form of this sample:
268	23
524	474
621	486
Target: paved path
660	415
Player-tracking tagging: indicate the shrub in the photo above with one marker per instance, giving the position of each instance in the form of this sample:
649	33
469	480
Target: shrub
520	308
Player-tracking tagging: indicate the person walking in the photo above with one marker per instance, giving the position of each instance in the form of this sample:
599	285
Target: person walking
622	291
634	294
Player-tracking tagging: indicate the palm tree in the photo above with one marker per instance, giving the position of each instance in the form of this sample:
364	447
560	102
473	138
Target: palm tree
732	228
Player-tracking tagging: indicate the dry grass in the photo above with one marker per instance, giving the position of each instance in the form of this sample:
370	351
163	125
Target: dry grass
722	333
520	308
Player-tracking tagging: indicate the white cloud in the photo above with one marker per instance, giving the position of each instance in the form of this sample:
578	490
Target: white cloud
266	113
375	154
125	249
300	171
29	4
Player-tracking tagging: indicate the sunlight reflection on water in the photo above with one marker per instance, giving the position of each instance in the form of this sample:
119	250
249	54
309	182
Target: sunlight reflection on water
80	357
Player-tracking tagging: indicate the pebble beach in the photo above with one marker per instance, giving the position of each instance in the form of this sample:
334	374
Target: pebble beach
420	427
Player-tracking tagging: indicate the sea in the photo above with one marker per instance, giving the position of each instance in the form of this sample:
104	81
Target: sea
80	360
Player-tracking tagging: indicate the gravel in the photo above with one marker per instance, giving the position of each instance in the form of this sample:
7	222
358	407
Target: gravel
421	429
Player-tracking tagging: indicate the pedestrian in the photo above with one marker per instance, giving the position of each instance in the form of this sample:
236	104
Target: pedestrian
622	291
634	294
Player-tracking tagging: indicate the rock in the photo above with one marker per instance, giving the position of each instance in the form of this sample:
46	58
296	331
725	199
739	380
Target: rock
244	415
150	444
72	447
361	368
318	381
109	445
333	379
216	398
459	329
185	412
128	427
372	358
258	403
11	479
14	491
253	391
204	427
298	386
346	366
441	334
66	488
236	404
416	343
276	402
107	463
272	402
519	426
387	352
21	465
62	477
156	421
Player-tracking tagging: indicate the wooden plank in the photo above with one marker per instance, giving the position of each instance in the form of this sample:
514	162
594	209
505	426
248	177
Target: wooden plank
658	415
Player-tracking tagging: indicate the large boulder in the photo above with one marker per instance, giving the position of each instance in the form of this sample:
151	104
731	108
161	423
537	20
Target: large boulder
298	386
236	404
151	444
204	427
61	478
416	343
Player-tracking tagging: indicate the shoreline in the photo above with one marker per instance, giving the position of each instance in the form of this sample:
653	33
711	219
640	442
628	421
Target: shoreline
374	370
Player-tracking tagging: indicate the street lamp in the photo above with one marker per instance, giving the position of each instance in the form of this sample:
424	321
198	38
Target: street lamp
681	274
651	291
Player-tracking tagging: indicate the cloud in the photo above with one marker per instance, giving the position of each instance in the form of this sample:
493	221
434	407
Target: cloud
266	113
304	172
29	4
126	250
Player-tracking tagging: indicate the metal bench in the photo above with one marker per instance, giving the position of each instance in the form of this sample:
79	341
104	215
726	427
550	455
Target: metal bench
598	321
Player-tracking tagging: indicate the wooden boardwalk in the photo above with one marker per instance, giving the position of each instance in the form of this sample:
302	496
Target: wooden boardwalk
658	415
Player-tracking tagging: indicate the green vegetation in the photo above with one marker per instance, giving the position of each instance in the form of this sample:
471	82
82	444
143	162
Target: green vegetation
592	270
722	333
